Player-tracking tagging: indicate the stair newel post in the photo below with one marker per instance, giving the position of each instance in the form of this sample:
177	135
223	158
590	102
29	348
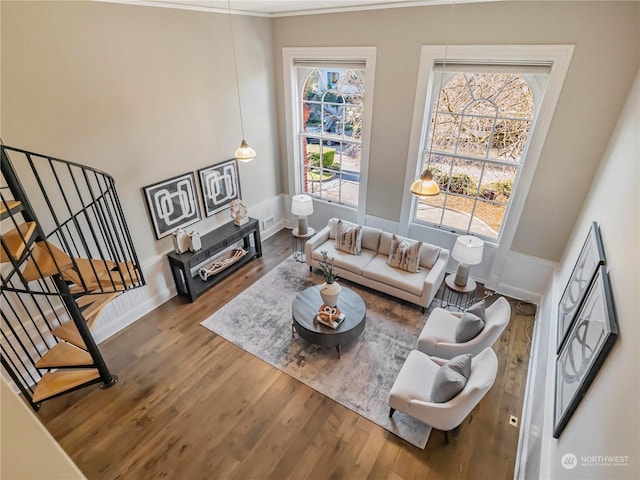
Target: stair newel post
108	379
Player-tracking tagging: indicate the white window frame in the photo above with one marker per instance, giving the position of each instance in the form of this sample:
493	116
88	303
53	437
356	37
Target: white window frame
559	57
292	105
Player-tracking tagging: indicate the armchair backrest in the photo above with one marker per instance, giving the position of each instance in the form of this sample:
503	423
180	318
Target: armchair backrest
484	369
497	318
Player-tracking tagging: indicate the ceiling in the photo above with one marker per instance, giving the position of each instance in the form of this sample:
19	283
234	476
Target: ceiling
281	8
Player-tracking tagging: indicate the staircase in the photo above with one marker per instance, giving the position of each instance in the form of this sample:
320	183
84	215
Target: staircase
66	253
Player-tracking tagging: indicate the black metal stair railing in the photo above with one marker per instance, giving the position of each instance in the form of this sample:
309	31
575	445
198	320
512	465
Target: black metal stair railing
66	251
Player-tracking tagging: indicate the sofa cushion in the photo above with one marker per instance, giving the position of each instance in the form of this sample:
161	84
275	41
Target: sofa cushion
429	255
371	238
385	243
348	237
404	254
451	378
343	260
380	271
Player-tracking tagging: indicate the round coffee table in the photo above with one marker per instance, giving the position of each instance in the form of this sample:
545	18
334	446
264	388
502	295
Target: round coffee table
306	306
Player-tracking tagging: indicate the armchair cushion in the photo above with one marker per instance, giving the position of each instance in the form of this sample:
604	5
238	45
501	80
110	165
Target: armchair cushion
451	378
404	254
348	237
471	323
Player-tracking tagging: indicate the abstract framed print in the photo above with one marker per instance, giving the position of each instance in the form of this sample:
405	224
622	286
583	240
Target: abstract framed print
590	339
591	257
220	186
172	203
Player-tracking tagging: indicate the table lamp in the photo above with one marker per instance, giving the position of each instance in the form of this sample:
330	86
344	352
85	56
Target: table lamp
302	206
468	251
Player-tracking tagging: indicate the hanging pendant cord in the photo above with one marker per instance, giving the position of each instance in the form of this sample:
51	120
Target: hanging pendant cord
235	66
444	67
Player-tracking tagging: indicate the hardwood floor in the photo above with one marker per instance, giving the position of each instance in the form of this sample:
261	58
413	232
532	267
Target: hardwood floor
190	405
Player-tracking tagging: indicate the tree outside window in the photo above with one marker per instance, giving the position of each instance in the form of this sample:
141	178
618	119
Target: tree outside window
475	148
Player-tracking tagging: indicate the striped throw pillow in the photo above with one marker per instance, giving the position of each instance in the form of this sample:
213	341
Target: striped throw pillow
349	237
404	254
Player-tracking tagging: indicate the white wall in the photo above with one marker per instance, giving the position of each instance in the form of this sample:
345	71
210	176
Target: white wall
607	39
29	451
606	422
142	93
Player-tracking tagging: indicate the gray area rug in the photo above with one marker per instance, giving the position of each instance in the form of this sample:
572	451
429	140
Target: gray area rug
259	321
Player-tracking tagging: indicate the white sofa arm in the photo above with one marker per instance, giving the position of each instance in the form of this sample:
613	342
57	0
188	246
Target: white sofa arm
435	277
314	242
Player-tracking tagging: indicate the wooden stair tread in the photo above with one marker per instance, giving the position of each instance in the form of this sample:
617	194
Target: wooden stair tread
54	383
14	243
69	333
92	310
103	279
41	257
129	274
64	355
12	206
90	270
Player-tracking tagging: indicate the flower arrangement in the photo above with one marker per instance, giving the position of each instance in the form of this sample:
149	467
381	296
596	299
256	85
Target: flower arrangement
326	266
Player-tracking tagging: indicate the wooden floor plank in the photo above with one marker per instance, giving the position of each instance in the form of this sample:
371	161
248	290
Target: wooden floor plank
191	405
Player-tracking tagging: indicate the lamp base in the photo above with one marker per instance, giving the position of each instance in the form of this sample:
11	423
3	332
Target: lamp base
462	274
303	226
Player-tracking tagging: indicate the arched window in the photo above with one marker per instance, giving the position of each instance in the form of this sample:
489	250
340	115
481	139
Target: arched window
475	146
332	111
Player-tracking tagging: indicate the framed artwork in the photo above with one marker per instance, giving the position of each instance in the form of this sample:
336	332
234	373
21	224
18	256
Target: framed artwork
172	203
590	339
591	257
220	186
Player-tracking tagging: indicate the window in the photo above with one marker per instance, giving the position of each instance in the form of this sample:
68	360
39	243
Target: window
330	133
479	127
328	97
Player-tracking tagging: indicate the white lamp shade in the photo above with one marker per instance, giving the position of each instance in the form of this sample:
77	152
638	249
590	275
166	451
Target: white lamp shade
468	249
301	205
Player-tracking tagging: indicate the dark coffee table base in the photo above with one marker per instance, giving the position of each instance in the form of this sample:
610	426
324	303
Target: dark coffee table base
304	310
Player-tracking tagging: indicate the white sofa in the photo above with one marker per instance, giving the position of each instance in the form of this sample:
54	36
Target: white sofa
370	267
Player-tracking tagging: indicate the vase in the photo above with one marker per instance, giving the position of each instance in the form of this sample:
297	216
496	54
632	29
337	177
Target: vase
330	293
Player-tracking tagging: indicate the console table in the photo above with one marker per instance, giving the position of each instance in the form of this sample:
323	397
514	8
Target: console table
185	266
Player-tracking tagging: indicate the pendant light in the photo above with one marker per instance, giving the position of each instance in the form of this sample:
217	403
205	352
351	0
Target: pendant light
244	153
426	186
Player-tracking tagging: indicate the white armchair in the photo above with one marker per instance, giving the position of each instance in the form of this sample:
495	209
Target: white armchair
438	336
411	391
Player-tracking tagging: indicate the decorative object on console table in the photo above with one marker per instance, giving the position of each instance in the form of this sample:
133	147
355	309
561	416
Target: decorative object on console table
592	335
172	204
590	258
239	213
330	290
221	263
302	206
220	186
180	240
185	268
468	251
195	243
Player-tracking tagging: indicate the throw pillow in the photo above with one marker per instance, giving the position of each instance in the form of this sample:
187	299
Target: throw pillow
348	237
451	378
404	254
471	323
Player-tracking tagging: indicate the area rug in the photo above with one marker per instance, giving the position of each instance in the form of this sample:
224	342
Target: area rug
259	321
